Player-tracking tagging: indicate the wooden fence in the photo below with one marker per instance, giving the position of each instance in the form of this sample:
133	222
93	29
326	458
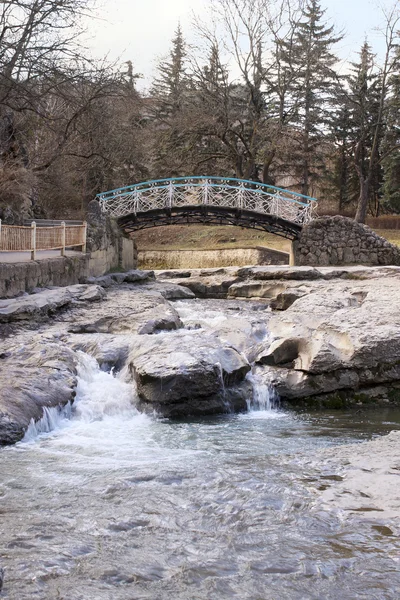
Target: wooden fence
15	238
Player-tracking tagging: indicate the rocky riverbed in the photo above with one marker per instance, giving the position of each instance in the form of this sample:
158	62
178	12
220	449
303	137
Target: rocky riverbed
320	337
281	501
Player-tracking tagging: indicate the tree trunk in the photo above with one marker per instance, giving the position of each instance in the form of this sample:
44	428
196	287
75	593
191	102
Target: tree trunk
266	177
362	206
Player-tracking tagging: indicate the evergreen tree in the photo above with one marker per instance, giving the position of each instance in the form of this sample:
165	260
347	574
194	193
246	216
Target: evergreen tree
391	146
363	99
372	106
170	93
212	115
341	179
310	61
170	85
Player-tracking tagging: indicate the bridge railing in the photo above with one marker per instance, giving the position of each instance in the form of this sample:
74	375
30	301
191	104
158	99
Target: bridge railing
213	191
15	238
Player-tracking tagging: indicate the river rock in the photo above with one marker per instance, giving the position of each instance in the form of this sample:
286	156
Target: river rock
34	376
336	338
208	287
256	289
169	291
284	299
189	373
127	311
137	276
172	274
133	276
47	302
110	351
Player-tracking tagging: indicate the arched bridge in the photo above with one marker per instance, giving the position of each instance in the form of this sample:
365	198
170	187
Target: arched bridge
209	200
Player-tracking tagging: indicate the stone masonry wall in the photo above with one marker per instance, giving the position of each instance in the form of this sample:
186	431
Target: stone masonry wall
16	278
200	259
342	241
109	248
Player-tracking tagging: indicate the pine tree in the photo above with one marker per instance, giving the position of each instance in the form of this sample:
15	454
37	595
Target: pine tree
310	61
169	102
341	179
212	115
368	156
391	146
171	83
363	100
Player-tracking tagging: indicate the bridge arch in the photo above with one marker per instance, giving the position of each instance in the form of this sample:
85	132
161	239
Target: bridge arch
211	201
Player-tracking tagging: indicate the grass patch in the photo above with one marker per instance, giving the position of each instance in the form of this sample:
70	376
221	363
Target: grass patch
206	237
215	237
391	235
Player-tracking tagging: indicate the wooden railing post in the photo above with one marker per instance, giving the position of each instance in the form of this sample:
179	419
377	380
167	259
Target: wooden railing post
33	240
63	238
84	237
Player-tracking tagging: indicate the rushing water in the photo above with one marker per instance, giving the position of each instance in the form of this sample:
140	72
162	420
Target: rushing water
116	505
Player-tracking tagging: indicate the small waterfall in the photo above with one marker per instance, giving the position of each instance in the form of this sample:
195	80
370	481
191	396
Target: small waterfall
53	418
265	398
98	395
225	400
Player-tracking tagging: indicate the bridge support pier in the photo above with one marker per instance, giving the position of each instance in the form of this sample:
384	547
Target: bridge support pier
293	251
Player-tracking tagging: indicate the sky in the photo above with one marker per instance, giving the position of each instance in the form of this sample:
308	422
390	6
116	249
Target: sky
141	30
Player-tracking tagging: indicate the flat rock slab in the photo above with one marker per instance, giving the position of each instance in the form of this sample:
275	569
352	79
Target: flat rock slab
129	311
314	273
47	302
134	276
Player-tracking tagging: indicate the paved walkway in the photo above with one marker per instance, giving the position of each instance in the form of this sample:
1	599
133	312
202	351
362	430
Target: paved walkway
17	257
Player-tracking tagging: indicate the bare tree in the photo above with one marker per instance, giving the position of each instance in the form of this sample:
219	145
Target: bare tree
255	103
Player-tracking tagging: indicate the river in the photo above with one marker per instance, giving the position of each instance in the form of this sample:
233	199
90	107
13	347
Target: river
111	504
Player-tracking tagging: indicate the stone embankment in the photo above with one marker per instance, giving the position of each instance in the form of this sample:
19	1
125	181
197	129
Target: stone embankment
224	257
322	337
342	241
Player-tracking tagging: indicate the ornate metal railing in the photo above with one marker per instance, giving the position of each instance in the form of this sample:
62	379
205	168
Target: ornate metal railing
213	191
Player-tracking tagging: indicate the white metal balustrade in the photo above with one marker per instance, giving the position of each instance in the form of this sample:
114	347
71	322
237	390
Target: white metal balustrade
209	191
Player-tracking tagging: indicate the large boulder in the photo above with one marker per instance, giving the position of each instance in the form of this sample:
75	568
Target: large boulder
336	338
33	377
188	373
